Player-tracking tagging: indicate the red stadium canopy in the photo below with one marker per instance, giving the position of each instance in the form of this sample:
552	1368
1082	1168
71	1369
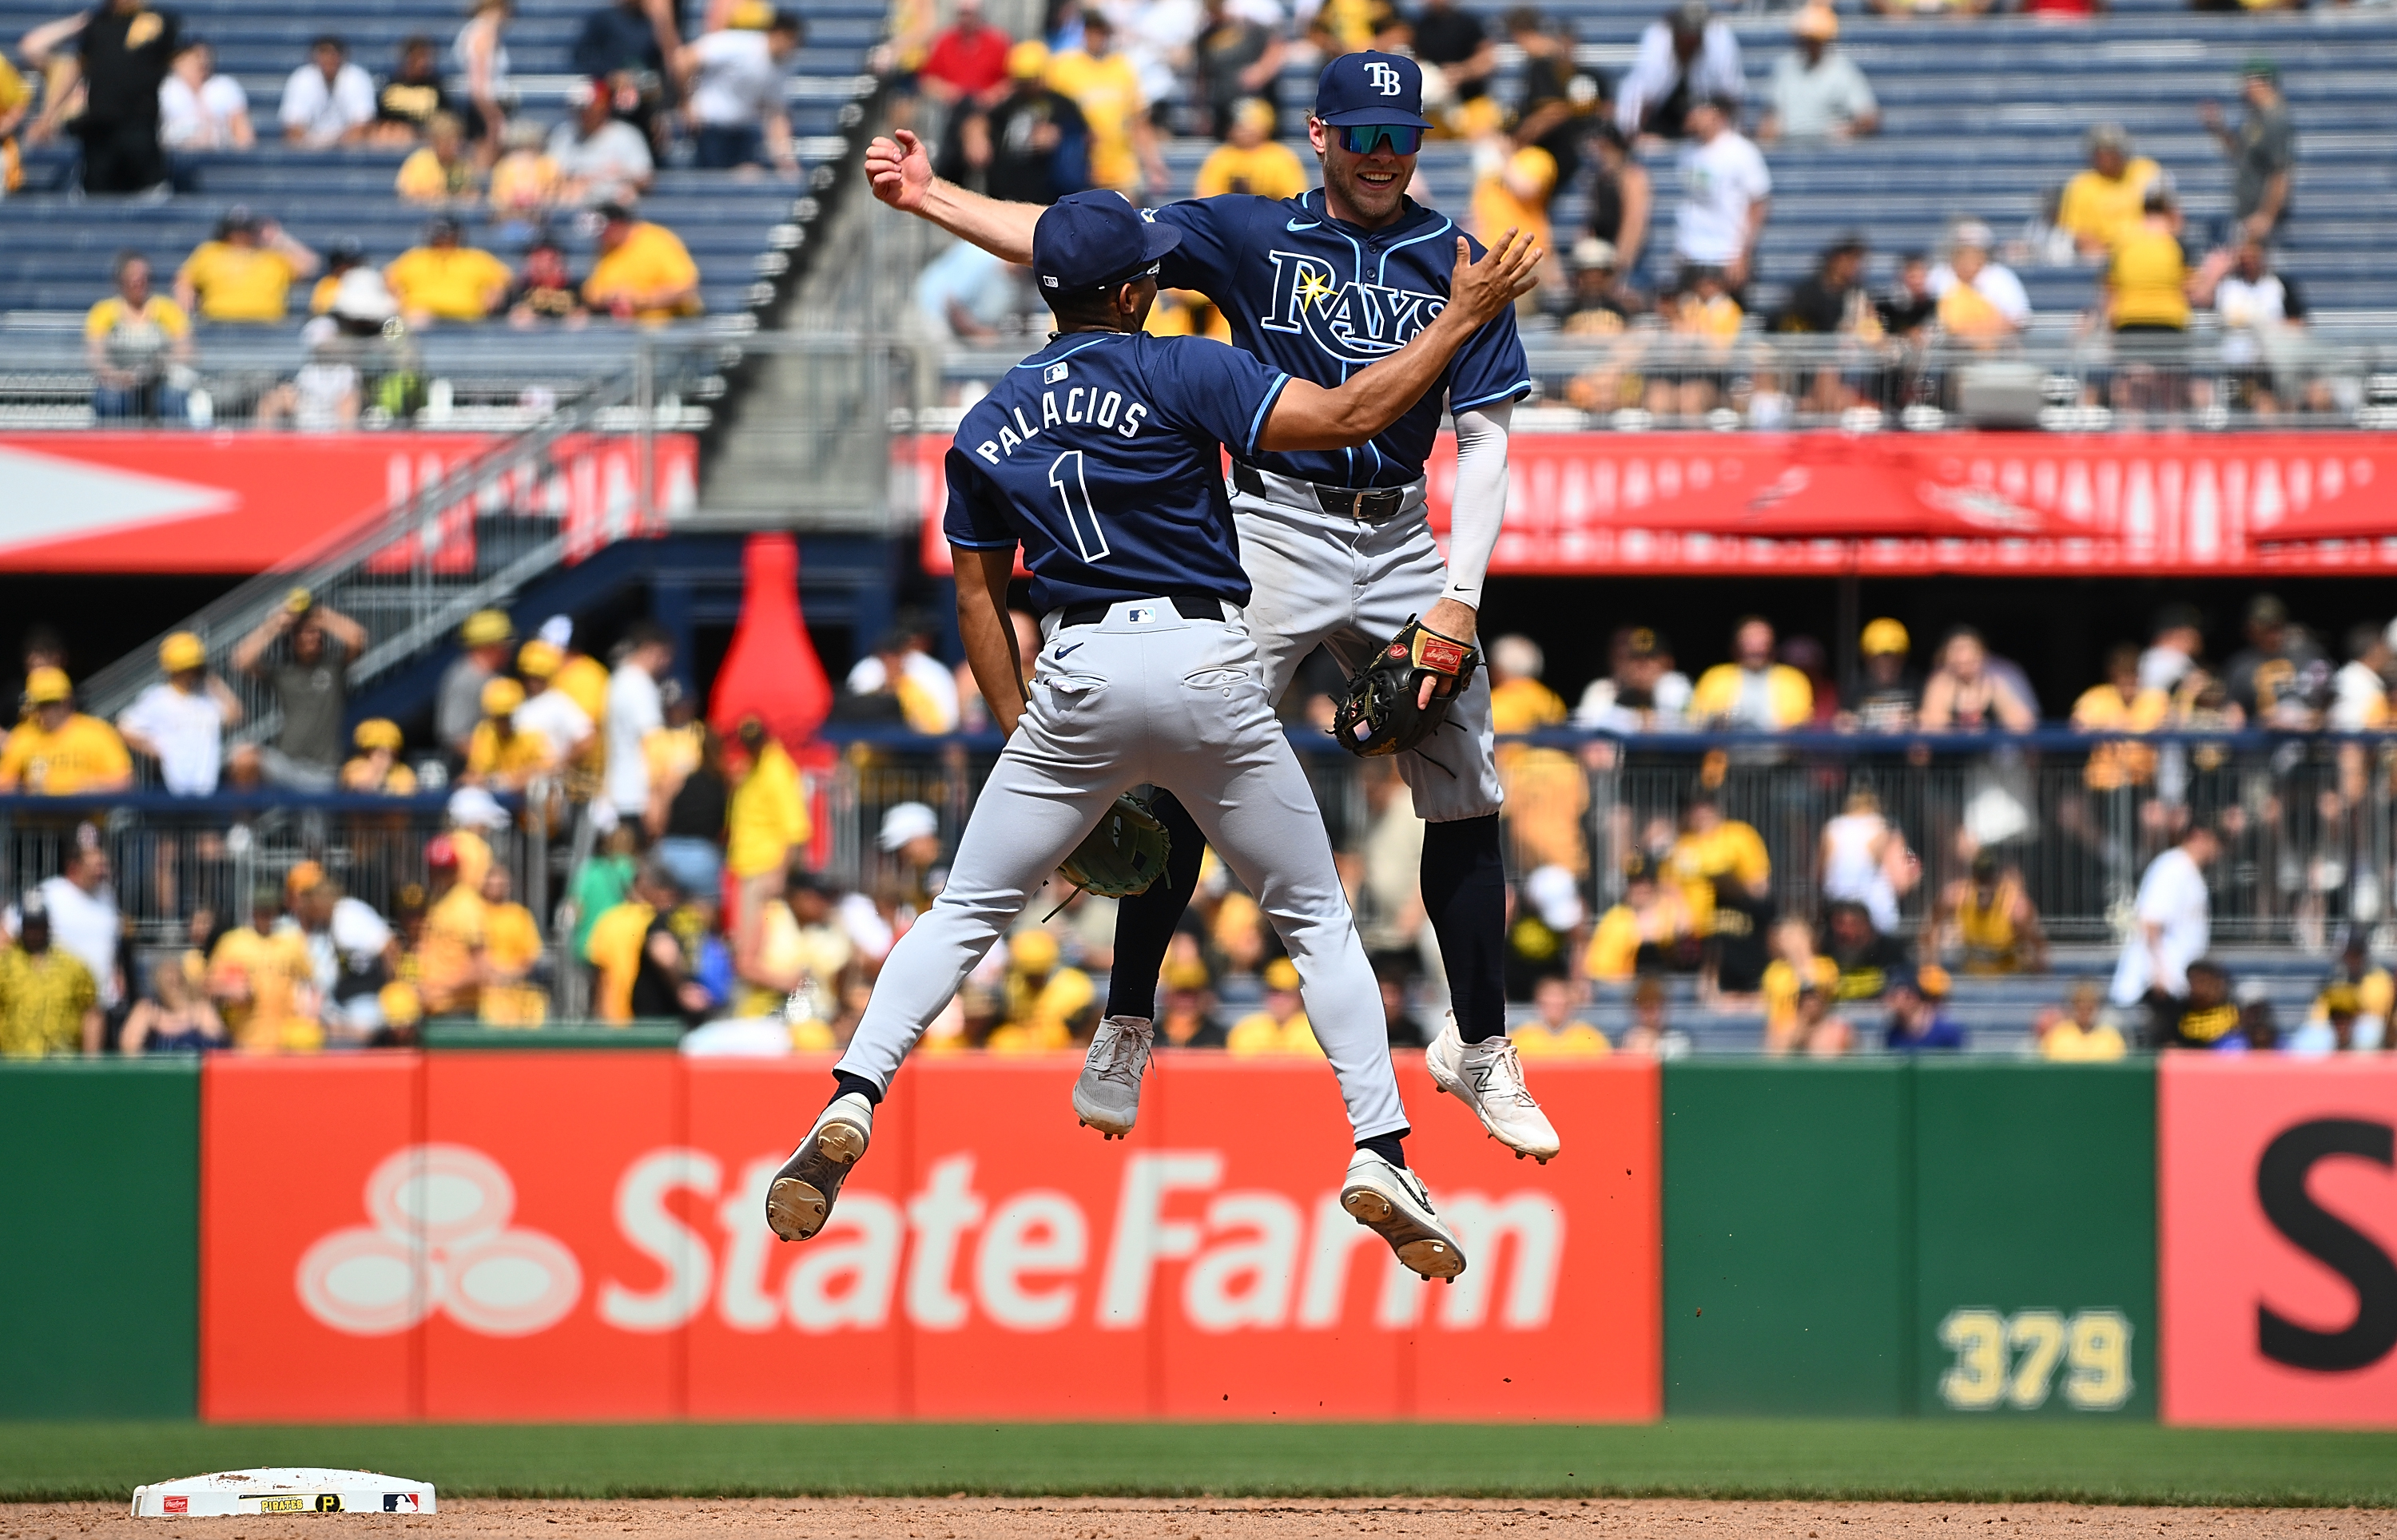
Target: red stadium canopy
2026	504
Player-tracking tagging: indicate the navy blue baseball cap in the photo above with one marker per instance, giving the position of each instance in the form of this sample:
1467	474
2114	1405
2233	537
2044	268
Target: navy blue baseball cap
1371	87
1090	240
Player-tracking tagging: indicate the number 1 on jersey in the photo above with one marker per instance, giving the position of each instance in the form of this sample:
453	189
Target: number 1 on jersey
1065	476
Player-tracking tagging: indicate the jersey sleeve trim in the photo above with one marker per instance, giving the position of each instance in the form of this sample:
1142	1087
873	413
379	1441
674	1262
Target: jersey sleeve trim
982	545
1265	409
1519	388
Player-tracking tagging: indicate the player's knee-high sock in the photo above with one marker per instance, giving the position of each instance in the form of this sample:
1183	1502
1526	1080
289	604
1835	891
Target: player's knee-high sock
1464	894
1144	921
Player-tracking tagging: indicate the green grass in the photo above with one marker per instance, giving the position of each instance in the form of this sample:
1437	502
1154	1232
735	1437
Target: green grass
2117	1463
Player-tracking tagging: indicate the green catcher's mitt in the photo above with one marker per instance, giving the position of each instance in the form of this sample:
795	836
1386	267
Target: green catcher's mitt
1123	856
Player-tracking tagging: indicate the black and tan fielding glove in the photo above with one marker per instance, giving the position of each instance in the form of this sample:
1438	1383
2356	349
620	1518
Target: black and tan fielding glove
1121	857
1381	713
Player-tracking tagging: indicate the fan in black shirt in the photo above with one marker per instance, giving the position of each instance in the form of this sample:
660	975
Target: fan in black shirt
1559	97
1823	302
123	54
1455	40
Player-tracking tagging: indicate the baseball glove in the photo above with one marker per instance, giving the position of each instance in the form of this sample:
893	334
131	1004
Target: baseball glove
1380	714
1123	856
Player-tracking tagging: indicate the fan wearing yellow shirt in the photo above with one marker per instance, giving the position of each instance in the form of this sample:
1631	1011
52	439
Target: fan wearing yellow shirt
1513	193
1282	1027
1715	849
1048	1006
376	765
1558	1033
49	1003
498	754
58	751
1250	162
765	819
2146	278
245	273
2079	1033
449	957
129	338
511	948
1796	967
614	948
445	280
2120	705
644	271
1105	85
1652	919
16	98
441	171
2102	202
263	979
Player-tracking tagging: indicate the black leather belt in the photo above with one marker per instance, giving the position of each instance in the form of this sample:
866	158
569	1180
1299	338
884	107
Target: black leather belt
1366	505
1190	606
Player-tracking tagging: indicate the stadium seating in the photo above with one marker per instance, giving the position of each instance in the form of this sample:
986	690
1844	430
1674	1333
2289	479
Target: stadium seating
1983	117
56	247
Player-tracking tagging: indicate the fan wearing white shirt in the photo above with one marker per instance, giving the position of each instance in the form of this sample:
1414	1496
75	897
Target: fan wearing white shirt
199	109
1991	305
734	82
327	100
547	710
1726	195
2171	921
1682	61
181	721
635	711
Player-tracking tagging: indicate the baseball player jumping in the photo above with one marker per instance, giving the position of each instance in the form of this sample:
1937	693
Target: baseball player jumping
1334	540
1101	455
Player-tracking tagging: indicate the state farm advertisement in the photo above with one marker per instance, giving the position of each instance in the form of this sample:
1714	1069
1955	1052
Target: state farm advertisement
2278	1210
1791	504
579	1235
247	501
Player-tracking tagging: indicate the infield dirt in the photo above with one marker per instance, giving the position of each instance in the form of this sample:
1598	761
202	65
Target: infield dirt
1066	1519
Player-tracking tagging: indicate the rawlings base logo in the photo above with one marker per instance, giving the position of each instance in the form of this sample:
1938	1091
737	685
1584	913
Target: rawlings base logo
1354	322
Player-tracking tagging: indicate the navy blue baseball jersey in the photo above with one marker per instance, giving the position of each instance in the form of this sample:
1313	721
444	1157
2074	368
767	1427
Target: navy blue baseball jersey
1321	299
1103	454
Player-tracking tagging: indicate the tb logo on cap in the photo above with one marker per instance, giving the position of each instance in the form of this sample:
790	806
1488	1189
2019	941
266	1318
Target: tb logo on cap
1385	78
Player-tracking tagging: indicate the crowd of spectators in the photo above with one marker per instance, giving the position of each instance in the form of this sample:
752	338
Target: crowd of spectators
142	96
700	905
1082	106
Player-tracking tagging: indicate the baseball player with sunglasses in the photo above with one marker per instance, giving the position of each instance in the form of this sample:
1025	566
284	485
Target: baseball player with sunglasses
1101	456
1334	540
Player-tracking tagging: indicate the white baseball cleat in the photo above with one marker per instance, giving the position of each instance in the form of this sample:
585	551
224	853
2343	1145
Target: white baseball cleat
1390	1201
801	1197
1488	1077
1107	1097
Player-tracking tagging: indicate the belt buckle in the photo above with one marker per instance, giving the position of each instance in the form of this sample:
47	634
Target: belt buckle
1357	505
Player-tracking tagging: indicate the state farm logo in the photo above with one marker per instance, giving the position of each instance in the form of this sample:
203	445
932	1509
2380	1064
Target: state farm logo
1033	1260
439	1242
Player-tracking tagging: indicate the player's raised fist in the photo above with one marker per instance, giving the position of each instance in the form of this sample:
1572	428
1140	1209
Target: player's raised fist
1506	272
899	170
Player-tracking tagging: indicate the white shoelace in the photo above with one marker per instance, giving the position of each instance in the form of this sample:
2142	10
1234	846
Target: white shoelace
1126	1053
1504	1074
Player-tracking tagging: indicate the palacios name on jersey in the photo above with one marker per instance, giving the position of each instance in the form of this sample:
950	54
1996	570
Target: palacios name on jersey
1354	321
1081	405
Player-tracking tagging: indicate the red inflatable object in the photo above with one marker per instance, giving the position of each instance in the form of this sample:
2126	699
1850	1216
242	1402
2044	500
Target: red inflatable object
771	670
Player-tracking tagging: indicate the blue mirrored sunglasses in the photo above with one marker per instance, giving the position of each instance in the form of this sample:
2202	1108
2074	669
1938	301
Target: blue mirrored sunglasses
1359	138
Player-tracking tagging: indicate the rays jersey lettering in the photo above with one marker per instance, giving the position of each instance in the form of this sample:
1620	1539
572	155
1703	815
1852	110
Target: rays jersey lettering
1354	322
1320	299
1101	455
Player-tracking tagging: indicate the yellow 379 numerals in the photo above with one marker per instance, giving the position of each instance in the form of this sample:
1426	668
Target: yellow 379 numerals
2011	1360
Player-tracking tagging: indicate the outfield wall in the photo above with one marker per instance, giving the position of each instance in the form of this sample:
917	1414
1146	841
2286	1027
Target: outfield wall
577	1234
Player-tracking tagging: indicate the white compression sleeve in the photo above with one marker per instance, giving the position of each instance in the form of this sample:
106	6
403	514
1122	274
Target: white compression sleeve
1480	505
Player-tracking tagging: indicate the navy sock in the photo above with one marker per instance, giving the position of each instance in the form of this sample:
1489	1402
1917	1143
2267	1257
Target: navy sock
1387	1146
843	1082
1464	894
1145	922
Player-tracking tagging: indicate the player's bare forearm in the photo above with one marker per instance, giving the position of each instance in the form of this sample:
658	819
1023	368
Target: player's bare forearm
900	171
989	637
1309	416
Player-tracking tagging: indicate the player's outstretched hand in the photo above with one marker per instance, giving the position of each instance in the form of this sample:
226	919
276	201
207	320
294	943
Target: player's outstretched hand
899	170
1483	288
